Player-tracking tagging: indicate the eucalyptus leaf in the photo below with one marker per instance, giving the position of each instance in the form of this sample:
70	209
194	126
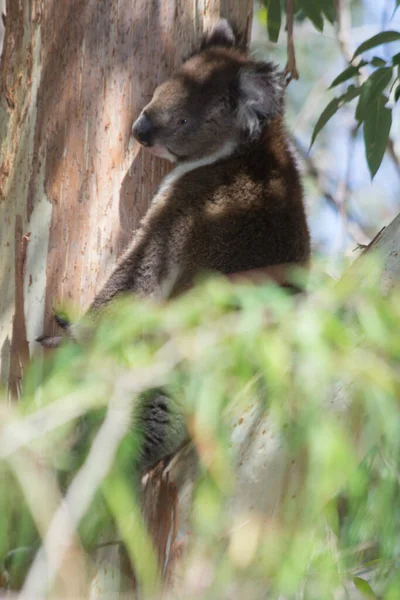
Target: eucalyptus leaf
364	588
377	126
396	59
371	89
274	19
312	12
378	62
324	117
377	40
379	80
328	8
332	516
351	71
351	93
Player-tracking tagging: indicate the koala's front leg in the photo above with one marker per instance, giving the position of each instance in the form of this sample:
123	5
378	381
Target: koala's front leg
154	262
151	264
135	272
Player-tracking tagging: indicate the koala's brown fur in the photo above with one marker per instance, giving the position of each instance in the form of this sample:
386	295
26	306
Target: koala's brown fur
233	203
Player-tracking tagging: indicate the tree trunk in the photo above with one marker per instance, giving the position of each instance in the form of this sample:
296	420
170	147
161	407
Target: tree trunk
74	76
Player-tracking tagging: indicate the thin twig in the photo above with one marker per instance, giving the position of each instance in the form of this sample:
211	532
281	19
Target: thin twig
393	154
355	227
291	68
343	192
343	28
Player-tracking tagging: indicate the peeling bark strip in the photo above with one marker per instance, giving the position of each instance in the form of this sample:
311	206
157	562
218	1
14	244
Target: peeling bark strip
19	344
160	505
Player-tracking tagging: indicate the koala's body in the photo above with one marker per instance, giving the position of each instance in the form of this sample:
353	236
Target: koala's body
234	201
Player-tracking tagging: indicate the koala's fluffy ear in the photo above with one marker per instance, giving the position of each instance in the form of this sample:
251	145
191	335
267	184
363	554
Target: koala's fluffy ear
260	96
222	34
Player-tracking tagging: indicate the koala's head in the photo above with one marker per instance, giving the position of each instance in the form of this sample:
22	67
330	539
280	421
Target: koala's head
217	100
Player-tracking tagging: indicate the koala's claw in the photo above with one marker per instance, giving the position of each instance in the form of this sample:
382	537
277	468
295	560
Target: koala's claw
54	341
50	341
62	321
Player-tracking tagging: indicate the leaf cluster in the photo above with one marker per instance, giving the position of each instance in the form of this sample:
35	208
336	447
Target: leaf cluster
220	351
372	110
376	81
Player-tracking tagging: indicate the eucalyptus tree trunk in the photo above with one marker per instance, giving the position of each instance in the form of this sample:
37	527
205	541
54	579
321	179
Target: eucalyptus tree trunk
73	187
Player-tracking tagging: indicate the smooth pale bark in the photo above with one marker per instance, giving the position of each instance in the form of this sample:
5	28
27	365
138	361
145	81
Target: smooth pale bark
73	187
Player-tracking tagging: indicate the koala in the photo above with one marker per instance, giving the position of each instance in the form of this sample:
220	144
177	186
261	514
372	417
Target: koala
233	202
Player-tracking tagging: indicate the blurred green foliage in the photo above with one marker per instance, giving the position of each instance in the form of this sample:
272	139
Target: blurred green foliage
323	369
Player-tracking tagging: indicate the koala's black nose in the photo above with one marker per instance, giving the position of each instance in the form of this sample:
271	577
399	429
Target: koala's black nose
142	130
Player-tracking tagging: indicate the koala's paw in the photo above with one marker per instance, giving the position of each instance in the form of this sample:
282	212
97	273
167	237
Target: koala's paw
50	341
54	341
62	320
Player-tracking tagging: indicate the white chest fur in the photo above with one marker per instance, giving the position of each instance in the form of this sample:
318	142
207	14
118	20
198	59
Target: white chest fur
185	167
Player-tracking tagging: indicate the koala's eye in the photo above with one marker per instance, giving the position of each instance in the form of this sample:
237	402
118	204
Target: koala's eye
182	121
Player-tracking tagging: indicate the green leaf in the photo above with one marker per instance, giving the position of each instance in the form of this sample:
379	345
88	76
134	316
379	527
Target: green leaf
328	9
371	88
377	126
332	516
326	114
396	59
361	109
379	80
274	19
376	40
364	588
351	93
397	93
378	62
313	12
351	71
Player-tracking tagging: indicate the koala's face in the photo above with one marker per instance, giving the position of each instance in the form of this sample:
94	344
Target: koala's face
215	101
187	118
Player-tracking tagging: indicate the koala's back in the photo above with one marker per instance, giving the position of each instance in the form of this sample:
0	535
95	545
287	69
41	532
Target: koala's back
242	213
